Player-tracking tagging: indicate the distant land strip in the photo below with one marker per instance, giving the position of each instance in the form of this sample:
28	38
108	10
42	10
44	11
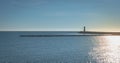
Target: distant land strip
87	33
55	35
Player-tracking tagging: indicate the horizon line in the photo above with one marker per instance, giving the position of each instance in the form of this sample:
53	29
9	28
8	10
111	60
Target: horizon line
52	31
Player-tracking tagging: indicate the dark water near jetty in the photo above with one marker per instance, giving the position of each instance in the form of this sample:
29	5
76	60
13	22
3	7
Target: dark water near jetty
70	49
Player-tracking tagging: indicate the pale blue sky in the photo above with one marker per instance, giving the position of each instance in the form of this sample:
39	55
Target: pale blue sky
42	15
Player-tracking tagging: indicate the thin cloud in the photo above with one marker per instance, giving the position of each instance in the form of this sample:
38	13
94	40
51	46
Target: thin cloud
71	14
28	2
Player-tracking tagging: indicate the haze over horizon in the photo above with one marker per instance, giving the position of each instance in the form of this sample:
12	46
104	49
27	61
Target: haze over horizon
59	15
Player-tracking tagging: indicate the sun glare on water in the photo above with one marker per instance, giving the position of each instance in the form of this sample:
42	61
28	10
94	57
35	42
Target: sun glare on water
108	50
113	40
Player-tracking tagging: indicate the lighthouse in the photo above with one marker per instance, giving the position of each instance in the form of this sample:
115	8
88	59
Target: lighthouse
84	30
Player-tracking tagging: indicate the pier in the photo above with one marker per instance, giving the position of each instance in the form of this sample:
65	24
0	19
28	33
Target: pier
81	33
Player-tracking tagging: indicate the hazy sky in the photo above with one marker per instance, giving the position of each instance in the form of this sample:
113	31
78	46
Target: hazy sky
98	15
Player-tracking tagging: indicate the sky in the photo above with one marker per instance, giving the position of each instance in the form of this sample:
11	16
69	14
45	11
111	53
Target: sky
59	15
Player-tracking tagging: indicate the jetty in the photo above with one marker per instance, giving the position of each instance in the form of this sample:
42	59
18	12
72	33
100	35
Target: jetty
97	32
69	33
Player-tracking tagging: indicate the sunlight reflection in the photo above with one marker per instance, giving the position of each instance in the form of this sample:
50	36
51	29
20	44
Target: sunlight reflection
113	40
107	50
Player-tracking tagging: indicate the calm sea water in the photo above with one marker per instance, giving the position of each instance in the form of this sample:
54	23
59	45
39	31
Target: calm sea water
70	49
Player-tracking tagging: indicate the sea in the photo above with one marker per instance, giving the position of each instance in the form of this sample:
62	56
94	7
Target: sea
73	47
